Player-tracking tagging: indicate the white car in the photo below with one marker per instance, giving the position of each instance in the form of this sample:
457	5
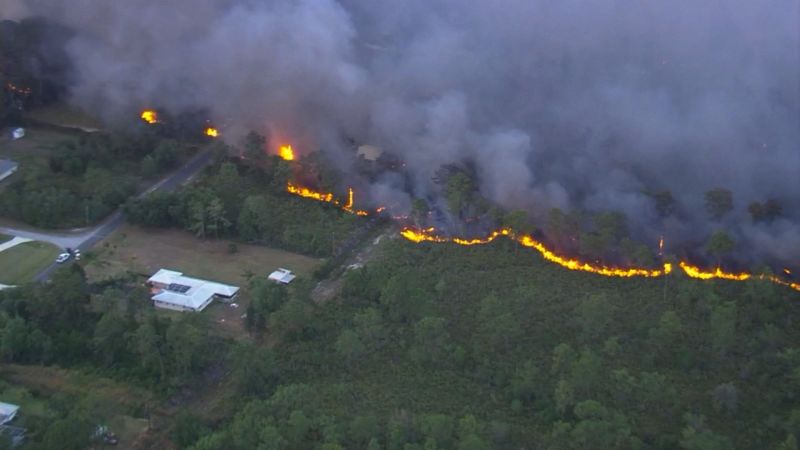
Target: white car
63	258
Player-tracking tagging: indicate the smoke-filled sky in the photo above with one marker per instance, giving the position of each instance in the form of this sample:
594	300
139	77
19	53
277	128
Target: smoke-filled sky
556	102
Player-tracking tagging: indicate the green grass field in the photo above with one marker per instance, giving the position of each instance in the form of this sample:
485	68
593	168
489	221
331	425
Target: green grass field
4	238
21	263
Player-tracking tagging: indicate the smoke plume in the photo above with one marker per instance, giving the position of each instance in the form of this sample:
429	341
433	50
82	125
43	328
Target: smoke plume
564	103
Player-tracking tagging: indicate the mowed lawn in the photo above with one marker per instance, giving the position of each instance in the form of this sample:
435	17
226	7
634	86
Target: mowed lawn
19	264
133	249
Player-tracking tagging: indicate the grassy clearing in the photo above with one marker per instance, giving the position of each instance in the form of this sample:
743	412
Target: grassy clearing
133	249
31	152
65	116
21	263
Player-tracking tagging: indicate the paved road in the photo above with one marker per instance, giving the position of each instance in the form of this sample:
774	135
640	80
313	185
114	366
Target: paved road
86	238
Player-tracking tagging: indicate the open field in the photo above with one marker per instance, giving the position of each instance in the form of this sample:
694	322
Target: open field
65	116
36	143
31	152
133	249
21	263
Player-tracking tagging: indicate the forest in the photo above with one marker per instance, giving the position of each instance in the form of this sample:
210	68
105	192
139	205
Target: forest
438	346
245	198
87	178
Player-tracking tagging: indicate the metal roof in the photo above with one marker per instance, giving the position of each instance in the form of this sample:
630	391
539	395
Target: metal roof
282	275
7	165
7	412
193	292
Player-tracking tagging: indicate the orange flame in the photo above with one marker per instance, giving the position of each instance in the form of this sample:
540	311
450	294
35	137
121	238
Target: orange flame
429	235
528	241
211	132
308	193
696	272
149	116
286	152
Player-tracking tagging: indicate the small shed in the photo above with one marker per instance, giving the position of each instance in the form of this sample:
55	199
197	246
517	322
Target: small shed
282	276
17	133
7	412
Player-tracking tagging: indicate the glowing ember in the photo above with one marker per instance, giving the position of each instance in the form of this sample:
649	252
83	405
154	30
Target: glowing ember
212	132
149	116
286	152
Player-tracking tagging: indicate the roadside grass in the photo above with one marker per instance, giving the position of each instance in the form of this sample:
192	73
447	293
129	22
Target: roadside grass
65	116
21	263
135	250
32	387
5	238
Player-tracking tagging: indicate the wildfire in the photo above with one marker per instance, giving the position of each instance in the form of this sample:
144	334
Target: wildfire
286	152
430	235
696	272
211	132
308	193
149	116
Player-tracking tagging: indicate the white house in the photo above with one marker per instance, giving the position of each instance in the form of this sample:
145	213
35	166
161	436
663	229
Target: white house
282	276
7	168
7	412
173	290
17	133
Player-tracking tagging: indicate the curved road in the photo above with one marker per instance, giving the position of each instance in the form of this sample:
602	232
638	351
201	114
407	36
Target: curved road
86	238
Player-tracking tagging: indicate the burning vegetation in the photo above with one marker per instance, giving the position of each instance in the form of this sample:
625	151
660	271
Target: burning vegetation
149	116
286	152
420	235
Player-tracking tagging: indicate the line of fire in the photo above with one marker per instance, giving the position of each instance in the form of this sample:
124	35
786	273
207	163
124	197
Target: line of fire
418	234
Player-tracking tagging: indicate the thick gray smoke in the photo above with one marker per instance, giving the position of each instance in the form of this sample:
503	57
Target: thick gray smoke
556	103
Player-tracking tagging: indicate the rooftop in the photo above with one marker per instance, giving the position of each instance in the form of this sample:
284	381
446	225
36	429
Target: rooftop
187	291
6	165
7	412
282	275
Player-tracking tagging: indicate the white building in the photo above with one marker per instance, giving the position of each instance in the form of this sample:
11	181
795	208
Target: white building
7	412
282	276
175	291
17	133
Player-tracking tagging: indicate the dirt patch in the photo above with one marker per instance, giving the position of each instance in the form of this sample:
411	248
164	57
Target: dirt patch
133	249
